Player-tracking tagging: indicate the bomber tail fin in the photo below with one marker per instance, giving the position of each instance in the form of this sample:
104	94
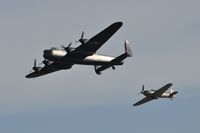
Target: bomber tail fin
128	50
128	53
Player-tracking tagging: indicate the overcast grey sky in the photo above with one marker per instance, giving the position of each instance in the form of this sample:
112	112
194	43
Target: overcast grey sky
164	37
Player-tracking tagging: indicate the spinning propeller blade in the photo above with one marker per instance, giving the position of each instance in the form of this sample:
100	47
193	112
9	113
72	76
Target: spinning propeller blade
82	35
68	47
34	63
142	90
35	67
81	40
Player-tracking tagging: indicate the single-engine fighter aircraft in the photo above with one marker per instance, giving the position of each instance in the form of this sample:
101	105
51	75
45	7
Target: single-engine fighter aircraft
155	94
56	59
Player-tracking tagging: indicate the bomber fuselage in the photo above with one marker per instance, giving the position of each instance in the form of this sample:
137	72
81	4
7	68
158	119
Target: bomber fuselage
60	55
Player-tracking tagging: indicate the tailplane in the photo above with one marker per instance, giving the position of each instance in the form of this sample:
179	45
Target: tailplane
118	60
128	53
173	94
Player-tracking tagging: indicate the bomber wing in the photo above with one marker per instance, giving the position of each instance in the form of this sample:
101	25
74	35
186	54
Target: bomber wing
93	44
46	70
144	100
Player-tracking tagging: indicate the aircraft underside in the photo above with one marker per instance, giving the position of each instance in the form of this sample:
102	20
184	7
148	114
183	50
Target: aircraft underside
63	58
90	62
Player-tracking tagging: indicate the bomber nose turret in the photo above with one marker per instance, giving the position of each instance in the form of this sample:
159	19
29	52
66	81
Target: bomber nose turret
46	54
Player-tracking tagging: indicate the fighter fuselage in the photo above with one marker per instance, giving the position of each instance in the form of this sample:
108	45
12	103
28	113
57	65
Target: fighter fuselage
149	93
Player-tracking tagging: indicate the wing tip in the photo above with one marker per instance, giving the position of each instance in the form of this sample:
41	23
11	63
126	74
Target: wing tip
169	84
134	105
117	24
30	76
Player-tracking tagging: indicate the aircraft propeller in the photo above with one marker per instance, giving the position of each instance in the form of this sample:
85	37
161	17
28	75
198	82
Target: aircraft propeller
142	90
68	48
82	34
35	67
82	40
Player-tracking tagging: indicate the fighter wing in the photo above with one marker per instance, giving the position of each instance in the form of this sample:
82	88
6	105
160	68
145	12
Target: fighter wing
93	44
144	100
162	90
46	70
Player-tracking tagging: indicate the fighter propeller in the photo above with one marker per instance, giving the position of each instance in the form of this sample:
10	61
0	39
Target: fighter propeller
142	90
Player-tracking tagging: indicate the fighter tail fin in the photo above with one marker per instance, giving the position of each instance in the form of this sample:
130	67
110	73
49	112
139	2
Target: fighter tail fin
173	94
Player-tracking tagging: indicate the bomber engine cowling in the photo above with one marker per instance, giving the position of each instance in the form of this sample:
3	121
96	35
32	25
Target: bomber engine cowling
54	53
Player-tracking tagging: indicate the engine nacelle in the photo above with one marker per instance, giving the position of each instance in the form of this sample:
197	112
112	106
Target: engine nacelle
47	62
54	53
58	53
